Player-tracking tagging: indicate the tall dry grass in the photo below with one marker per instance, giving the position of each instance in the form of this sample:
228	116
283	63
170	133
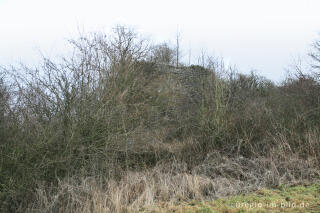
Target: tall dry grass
169	183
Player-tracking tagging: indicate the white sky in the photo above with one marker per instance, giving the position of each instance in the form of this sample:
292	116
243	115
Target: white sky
264	35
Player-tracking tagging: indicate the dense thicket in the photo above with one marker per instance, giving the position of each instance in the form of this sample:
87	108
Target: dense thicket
118	106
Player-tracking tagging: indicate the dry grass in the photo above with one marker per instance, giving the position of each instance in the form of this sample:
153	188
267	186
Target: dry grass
169	183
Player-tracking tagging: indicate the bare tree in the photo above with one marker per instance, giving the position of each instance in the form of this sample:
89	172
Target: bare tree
202	59
178	47
162	53
315	57
315	54
4	99
127	45
178	38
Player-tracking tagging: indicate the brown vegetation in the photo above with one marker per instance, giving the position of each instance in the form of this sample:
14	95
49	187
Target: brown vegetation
111	130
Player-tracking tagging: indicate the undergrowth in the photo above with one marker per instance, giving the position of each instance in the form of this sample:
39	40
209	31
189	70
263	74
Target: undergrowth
117	127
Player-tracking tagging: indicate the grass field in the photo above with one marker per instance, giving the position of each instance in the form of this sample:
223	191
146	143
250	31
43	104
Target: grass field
300	198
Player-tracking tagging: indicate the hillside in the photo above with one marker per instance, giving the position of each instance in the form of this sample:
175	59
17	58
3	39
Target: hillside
116	128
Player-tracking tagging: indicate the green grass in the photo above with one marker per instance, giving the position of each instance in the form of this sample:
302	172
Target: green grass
301	198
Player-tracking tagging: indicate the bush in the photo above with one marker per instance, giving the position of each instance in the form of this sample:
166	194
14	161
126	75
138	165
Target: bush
109	111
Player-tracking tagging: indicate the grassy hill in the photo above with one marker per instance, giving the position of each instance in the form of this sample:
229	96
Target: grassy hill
111	129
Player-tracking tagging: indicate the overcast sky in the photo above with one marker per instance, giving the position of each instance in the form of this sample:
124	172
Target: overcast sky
264	35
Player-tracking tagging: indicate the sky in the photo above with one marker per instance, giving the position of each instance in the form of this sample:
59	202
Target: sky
261	35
